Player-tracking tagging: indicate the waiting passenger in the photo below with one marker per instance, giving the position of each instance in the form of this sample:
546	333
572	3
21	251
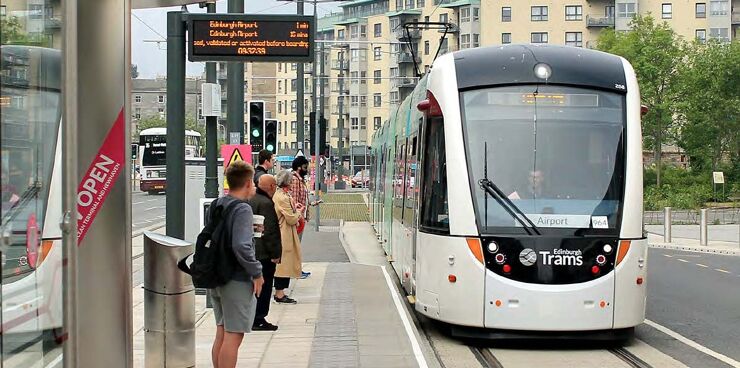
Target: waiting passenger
289	213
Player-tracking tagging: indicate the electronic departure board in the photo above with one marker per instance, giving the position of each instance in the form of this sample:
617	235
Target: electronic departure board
244	37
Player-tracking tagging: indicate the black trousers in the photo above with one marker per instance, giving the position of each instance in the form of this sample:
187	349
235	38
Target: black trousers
282	283
263	301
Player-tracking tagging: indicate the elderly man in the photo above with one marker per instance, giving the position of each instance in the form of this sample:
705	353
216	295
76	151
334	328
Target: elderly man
268	248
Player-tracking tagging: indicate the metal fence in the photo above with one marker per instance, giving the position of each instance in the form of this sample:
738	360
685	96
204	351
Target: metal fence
715	216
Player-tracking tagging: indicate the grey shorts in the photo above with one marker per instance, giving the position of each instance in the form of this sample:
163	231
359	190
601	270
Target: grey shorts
234	306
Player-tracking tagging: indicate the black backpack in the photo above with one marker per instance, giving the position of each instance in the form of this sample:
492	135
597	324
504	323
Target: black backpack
214	261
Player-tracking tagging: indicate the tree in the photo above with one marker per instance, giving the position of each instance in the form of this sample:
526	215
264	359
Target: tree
12	32
656	53
709	105
150	122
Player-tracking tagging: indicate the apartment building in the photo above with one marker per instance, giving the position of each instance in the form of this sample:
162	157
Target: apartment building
578	23
39	21
149	99
370	67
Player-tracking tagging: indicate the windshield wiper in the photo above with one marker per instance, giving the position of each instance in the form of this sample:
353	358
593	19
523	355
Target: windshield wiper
494	191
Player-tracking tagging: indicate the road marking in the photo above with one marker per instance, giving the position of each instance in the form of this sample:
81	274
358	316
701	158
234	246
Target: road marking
668	255
701	265
721	270
683	260
138	202
406	324
693	344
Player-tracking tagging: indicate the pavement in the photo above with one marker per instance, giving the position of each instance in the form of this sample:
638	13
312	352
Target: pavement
723	239
348	314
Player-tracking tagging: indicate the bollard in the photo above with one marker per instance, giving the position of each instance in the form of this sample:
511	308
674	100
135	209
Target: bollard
703	228
169	304
667	223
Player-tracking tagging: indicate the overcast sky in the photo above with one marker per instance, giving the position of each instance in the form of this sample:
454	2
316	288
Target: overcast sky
151	25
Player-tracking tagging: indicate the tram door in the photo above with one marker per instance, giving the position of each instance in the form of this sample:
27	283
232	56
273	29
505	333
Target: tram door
411	209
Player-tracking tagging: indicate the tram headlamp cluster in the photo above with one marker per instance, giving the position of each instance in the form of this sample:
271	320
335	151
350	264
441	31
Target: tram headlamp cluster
542	71
493	247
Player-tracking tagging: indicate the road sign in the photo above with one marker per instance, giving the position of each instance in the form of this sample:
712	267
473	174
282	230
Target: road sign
235	152
300	153
245	37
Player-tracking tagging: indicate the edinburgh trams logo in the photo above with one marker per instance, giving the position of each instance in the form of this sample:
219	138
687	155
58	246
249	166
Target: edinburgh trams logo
528	257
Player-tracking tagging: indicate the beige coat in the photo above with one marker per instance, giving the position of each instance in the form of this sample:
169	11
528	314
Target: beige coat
291	261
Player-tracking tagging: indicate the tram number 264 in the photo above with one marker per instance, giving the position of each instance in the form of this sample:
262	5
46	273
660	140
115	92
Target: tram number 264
251	51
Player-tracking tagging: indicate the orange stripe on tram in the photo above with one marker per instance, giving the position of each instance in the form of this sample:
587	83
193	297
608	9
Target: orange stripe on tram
624	247
475	247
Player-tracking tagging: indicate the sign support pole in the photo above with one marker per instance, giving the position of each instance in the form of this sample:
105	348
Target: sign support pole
235	87
211	189
318	115
175	125
300	105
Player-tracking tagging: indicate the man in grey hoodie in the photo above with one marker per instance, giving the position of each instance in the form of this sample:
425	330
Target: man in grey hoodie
234	303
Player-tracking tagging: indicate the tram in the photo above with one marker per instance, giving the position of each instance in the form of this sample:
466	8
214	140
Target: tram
31	246
507	191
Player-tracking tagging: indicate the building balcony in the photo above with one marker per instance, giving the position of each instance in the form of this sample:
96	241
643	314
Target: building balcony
599	21
406	57
403	82
53	23
340	65
343	91
401	34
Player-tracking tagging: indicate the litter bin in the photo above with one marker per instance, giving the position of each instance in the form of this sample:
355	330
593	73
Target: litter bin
169	304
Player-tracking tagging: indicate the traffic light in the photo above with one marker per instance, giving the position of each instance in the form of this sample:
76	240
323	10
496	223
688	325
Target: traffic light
257	125
271	135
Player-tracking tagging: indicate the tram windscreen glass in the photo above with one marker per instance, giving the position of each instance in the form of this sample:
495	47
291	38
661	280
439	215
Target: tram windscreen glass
555	152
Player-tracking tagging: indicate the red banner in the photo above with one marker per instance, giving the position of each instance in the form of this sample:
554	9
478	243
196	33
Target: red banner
100	177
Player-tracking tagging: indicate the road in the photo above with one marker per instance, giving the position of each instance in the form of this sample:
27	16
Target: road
696	295
146	210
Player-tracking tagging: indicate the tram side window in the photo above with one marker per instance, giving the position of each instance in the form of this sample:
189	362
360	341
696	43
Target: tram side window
410	183
434	211
398	177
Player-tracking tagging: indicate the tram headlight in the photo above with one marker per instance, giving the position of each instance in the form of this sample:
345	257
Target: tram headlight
542	71
493	247
153	174
608	248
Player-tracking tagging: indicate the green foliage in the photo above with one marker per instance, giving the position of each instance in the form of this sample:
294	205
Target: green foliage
708	107
681	189
12	32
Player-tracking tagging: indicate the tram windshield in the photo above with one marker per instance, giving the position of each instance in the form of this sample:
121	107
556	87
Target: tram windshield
555	152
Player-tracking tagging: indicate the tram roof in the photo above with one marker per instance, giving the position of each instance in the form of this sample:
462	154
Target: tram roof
514	64
163	131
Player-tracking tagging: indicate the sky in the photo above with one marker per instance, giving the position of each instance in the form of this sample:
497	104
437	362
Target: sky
149	25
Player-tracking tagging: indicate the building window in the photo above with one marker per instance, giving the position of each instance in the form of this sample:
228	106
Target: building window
539	13
573	12
363	77
609	11
574	39
340	34
505	38
476	14
539	37
377	74
394	97
353	77
464	41
667	11
293	66
626	10
721	34
160	98
506	14
464	15
701	35
394	72
137	98
363	31
293	106
376	122
443	18
419	3
137	115
476	40
293	85
280	107
377	53
354	123
354	101
280	67
426	47
161	113
293	127
701	10
377	102
3	10
718	7
363	100
378	29
363	123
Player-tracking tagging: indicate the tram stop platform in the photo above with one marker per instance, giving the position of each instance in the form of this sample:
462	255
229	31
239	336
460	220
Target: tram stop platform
349	314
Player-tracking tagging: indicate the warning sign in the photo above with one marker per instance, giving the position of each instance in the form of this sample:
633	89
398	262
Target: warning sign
235	152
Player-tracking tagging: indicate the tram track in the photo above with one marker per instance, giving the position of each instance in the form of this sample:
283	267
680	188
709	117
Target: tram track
488	359
626	356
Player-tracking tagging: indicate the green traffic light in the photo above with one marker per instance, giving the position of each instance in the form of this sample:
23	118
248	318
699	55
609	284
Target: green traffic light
270	147
255	132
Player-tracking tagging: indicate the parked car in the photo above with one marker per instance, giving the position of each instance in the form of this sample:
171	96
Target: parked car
361	179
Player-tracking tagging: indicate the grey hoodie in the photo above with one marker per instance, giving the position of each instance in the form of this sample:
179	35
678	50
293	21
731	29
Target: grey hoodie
242	242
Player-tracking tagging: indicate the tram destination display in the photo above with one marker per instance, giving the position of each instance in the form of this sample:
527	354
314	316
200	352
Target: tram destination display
244	37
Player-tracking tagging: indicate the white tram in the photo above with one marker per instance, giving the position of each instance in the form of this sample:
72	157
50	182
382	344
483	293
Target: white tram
507	190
